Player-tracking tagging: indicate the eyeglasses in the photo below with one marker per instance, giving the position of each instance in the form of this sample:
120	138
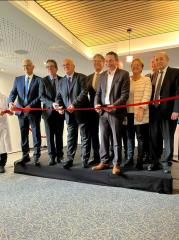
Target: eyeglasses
51	66
66	65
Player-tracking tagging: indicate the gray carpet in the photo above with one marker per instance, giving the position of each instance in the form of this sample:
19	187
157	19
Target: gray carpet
33	208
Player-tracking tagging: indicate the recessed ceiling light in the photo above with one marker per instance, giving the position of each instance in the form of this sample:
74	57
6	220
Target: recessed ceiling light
21	52
44	63
2	69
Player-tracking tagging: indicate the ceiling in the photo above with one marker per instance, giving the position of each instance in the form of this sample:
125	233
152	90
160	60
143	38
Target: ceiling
22	37
21	32
99	22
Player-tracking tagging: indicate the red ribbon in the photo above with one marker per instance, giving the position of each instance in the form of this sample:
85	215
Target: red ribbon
92	108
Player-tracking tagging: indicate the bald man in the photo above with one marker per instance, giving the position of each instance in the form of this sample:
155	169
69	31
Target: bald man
163	116
26	90
72	94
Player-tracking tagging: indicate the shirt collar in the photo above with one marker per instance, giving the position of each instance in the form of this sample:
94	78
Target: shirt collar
98	72
29	76
112	73
53	77
69	76
164	70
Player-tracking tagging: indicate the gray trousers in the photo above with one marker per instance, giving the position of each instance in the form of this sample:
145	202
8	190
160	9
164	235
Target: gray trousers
110	123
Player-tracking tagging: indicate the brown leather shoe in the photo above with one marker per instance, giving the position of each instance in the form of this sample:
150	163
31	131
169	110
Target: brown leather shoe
116	170
100	166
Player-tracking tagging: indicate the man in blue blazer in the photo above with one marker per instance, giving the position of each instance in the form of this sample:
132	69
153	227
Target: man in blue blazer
26	90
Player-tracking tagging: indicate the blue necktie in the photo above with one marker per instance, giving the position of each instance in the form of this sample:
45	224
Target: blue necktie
26	89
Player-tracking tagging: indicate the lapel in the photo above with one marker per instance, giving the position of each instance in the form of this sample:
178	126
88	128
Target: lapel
74	79
31	85
167	75
22	85
104	82
115	78
91	79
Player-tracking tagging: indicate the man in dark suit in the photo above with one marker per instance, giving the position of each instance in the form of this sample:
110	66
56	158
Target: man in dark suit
26	89
92	81
54	122
73	94
163	116
113	90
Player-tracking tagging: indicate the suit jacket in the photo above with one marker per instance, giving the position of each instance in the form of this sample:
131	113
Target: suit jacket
91	90
169	88
48	95
78	95
33	99
119	90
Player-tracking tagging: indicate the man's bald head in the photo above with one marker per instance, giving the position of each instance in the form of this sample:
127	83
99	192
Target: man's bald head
28	66
69	66
162	60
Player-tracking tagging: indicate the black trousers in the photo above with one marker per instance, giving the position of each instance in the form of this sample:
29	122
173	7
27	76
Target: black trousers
110	123
141	132
161	130
94	134
54	126
3	159
72	140
124	139
25	122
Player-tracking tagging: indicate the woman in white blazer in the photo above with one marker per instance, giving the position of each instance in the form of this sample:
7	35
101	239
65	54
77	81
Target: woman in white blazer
5	145
138	116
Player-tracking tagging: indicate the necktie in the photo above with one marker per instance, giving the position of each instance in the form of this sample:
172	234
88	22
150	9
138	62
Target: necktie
69	88
26	89
54	85
69	83
158	88
95	81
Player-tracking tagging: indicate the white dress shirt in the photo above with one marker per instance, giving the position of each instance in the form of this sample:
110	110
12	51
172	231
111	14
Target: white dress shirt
108	86
30	79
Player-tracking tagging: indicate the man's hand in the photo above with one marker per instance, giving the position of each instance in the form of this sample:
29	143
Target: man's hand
98	108
109	108
60	110
1	113
140	114
71	108
174	116
55	106
12	106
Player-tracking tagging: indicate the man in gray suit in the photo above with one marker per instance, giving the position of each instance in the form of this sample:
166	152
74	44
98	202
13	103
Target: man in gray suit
113	90
73	94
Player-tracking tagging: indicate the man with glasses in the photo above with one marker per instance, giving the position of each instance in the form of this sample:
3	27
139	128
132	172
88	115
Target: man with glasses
26	90
54	122
73	94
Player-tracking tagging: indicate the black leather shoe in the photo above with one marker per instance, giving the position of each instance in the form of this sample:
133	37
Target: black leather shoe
154	167
93	162
59	159
2	169
85	164
139	167
24	160
129	163
67	164
51	161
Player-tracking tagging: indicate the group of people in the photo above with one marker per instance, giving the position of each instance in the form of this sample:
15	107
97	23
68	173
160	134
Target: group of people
64	98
